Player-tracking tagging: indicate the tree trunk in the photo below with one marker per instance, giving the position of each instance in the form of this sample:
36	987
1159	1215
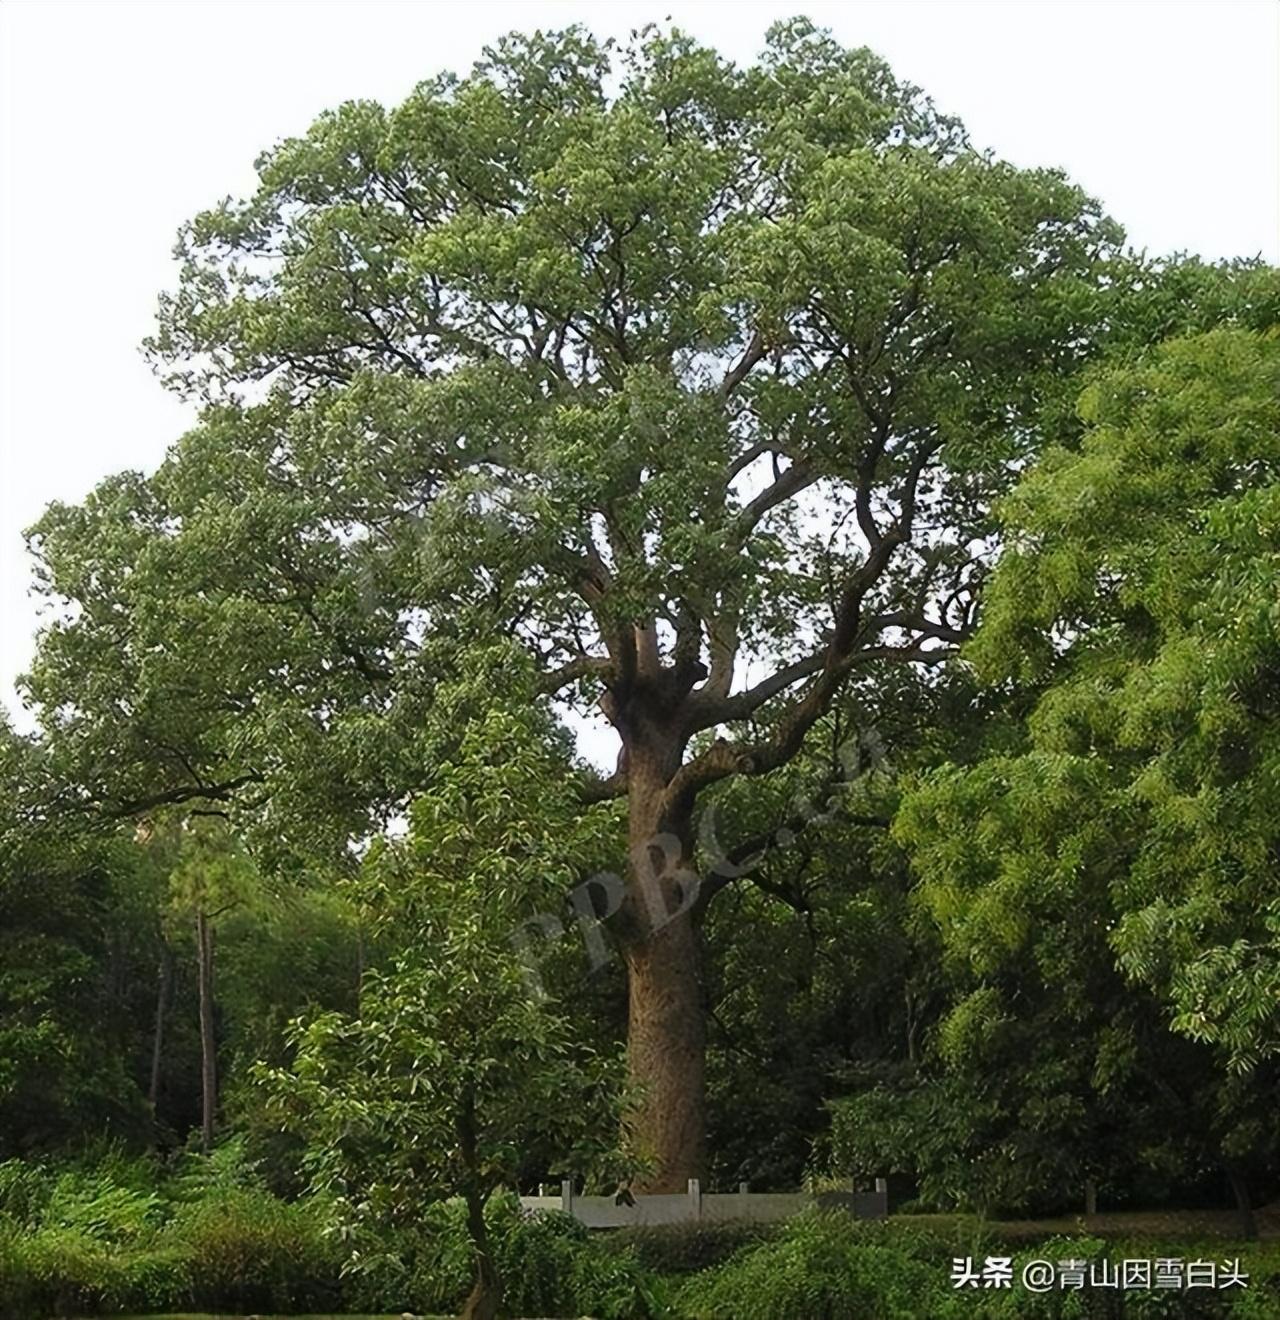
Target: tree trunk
1244	1203
163	996
1090	1197
666	1035
208	1041
666	1055
485	1298
486	1294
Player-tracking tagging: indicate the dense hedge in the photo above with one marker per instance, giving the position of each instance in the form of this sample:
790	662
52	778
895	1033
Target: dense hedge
828	1267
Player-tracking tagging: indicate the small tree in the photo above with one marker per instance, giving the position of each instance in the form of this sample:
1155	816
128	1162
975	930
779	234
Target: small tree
456	1075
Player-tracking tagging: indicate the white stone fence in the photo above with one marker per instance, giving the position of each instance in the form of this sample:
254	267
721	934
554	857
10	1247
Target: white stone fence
697	1207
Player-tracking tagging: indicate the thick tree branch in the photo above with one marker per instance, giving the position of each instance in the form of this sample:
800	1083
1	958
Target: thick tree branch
710	709
830	667
736	374
174	796
923	627
584	666
722	644
796	478
603	789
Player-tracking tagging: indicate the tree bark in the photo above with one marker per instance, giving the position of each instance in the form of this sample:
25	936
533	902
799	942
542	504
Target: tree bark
163	995
666	1036
208	1040
666	1055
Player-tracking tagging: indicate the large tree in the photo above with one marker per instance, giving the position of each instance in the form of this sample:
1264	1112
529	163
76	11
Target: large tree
1136	601
698	381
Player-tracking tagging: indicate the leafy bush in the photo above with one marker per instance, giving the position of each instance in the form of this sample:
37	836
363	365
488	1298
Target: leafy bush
250	1251
100	1248
818	1268
226	1168
24	1191
55	1271
100	1240
538	1257
688	1248
153	1279
98	1207
613	1285
549	1264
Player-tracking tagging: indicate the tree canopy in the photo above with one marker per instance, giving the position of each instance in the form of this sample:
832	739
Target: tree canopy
1130	827
695	385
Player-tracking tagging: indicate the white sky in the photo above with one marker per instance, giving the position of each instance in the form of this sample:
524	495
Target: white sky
119	119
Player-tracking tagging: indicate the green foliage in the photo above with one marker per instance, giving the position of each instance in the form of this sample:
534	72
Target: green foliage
69	947
555	1268
1148	553
96	1206
829	1266
223	1245
24	1191
517	359
118	1235
1130	837
602	376
816	1269
457	1071
455	1068
688	1248
552	1267
249	1251
823	974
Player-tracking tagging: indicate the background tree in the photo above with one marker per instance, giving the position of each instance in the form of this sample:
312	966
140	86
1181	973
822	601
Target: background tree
821	975
210	877
1136	597
71	962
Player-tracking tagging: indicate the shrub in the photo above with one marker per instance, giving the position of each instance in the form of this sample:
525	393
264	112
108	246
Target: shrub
55	1271
153	1279
98	1207
820	1267
549	1264
539	1257
613	1285
250	1251
688	1248
24	1191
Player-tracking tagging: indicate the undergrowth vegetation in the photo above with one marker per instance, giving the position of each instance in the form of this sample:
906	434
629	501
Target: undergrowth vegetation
115	1234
